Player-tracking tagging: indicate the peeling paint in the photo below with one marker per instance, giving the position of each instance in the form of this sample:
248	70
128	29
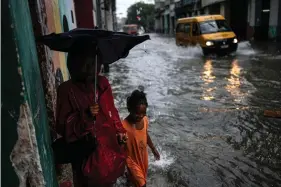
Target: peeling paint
24	156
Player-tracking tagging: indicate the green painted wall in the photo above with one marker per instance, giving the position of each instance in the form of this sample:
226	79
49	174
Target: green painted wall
11	98
18	50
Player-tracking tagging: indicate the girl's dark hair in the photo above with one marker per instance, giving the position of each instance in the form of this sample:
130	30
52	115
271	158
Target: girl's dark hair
137	98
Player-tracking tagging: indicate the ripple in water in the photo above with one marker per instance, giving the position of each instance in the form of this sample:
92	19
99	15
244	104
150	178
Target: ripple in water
165	161
245	48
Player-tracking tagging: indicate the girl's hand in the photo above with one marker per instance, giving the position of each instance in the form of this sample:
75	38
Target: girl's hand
156	154
122	138
94	109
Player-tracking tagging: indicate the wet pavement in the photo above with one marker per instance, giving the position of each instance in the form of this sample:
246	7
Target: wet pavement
206	114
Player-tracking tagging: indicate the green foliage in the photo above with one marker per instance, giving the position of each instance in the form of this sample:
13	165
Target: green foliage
146	12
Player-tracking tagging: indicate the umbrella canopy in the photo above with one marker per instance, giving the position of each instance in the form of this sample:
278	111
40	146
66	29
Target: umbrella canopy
110	45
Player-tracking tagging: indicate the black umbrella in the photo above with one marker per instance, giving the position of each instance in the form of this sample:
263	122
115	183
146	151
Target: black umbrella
111	46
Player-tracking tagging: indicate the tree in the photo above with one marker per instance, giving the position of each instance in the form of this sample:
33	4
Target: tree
145	13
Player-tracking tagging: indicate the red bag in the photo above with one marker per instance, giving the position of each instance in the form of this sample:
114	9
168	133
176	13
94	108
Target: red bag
107	162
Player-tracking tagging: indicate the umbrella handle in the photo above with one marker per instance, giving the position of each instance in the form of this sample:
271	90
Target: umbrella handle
96	76
95	87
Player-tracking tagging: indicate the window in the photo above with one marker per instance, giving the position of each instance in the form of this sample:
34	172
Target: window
187	27
72	17
180	28
214	26
65	24
195	29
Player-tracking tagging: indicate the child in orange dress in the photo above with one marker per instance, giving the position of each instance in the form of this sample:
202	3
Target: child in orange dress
136	125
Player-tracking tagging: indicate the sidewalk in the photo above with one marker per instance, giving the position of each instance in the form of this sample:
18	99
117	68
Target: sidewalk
267	46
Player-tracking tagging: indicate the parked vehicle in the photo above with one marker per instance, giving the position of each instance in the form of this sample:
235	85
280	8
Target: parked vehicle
211	32
131	29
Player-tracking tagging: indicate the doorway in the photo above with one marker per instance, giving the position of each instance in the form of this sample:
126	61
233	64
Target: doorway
65	24
238	19
265	14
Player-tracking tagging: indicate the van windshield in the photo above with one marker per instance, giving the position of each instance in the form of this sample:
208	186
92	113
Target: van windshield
214	26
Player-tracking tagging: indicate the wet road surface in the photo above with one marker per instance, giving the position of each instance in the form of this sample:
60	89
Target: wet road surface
206	114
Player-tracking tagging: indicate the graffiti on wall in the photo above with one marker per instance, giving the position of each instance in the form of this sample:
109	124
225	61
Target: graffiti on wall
60	18
272	32
68	22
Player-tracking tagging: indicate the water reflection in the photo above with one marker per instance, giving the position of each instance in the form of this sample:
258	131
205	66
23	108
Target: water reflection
234	82
222	146
208	78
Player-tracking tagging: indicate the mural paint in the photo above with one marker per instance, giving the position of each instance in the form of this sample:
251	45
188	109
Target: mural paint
67	10
68	22
55	10
31	155
58	29
61	17
272	32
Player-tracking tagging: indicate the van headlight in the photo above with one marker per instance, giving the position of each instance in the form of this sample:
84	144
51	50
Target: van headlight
235	41
209	43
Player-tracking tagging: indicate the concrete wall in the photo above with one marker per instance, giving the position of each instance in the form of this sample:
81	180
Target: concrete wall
206	10
222	9
251	19
95	12
106	16
157	25
273	20
251	12
254	19
109	19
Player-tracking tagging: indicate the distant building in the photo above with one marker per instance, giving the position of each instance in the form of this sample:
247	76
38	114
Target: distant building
91	13
264	19
120	23
159	19
249	19
168	11
187	8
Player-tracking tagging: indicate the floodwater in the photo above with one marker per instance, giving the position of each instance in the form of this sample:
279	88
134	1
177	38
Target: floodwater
206	114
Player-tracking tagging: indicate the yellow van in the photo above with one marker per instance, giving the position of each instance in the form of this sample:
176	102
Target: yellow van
211	32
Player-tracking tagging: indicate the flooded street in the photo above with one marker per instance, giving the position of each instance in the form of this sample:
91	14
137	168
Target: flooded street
206	114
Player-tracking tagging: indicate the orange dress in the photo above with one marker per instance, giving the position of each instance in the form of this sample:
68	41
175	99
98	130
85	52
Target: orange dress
137	160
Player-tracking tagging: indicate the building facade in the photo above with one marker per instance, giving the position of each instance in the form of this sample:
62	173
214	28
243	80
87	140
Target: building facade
187	8
264	19
256	19
228	8
168	11
92	13
159	18
106	14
